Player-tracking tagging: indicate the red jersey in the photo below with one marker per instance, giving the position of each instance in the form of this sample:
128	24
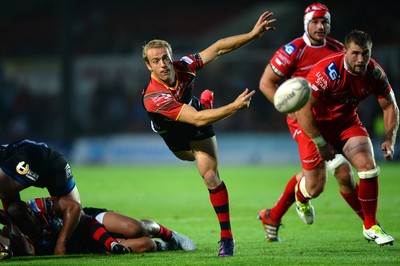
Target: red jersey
339	92
163	103
296	58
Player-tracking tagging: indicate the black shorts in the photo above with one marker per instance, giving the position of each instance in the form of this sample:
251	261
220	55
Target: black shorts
179	140
35	164
178	135
93	212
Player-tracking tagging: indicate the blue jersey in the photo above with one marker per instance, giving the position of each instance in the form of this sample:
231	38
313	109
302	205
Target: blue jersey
32	163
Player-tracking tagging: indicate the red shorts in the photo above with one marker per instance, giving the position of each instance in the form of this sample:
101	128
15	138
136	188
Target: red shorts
333	135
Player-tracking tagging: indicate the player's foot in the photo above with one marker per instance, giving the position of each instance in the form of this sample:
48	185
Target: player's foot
377	234
117	248
207	99
305	211
161	245
226	247
270	226
180	242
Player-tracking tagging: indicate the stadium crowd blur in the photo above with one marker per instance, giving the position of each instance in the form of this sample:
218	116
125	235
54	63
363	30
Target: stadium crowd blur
60	33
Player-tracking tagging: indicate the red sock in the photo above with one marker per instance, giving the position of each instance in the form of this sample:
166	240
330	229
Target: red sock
220	201
164	234
285	200
368	196
97	231
354	202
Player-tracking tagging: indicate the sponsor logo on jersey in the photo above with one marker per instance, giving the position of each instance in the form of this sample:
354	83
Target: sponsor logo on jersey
320	81
68	171
332	71
289	48
22	168
310	161
187	60
161	99
278	62
296	132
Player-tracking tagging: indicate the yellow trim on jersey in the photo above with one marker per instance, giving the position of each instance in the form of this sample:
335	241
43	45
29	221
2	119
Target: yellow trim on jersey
177	117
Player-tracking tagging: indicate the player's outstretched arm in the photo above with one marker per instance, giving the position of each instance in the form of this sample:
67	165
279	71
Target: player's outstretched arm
229	44
208	116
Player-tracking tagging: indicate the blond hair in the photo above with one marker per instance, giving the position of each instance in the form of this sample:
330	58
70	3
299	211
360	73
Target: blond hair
155	44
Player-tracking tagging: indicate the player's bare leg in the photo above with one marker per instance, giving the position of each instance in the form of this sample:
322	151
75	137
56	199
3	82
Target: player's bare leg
348	187
310	186
359	151
206	155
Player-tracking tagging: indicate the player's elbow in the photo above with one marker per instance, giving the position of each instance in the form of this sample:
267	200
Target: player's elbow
200	123
198	119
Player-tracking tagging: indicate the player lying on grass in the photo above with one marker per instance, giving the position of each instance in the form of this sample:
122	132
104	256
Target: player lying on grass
33	229
41	219
138	234
26	163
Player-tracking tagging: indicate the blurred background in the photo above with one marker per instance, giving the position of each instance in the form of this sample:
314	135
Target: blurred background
71	72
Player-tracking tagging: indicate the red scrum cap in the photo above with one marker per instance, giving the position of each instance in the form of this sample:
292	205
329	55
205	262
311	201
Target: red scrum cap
316	10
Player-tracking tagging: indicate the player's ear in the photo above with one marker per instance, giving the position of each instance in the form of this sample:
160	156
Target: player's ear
149	66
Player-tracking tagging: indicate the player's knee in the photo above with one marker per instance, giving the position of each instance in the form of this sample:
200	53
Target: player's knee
314	193
369	173
312	190
150	228
211	178
334	164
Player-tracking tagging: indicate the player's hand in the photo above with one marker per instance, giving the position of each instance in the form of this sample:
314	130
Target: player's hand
388	150
326	152
263	24
244	99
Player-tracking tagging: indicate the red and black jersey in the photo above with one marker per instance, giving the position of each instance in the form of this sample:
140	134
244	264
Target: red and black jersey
164	104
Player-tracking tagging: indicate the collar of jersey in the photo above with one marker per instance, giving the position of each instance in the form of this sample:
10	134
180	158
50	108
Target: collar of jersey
165	85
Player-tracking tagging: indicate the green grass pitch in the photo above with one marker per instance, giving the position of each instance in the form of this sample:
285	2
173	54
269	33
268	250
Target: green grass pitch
176	197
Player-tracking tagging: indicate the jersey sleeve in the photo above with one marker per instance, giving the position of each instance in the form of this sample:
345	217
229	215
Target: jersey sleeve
383	87
163	103
193	62
283	60
318	80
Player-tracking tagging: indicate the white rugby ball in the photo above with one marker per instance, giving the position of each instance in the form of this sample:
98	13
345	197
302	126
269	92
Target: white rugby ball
292	95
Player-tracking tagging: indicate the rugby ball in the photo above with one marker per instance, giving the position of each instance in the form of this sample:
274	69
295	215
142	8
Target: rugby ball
292	95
